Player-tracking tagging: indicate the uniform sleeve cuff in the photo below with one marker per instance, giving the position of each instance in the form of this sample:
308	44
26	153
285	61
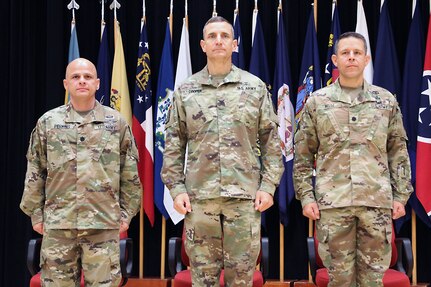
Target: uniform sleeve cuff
305	201
177	189
267	187
36	218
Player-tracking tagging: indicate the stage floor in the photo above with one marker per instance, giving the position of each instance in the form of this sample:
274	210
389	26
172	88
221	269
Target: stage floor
153	282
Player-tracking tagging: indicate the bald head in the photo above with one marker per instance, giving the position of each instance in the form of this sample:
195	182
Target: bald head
80	63
82	83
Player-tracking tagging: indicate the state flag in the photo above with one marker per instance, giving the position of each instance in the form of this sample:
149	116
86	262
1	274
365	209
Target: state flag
142	124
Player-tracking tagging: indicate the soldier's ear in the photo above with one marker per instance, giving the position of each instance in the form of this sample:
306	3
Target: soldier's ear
334	60
202	42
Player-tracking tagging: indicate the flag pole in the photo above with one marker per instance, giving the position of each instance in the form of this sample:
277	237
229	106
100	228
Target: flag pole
315	13
171	17
102	22
281	225
414	274
163	239
141	242
141	213
214	8
310	234
163	249
310	221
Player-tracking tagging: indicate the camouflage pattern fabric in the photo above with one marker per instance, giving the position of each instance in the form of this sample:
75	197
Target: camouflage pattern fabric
222	124
355	245
359	148
222	233
82	171
98	252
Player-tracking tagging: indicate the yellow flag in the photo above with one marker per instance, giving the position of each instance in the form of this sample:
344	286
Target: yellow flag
120	99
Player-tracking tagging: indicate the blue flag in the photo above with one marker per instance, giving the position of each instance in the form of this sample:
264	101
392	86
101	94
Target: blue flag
410	93
238	54
258	60
310	79
165	87
104	70
259	64
73	45
73	52
286	115
331	71
386	68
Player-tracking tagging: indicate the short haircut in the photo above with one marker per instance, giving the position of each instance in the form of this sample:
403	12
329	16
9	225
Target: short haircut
350	35
216	19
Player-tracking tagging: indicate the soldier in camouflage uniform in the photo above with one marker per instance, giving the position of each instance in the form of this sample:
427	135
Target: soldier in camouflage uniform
221	114
82	187
354	133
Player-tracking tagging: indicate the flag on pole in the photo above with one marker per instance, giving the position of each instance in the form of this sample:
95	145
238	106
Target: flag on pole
387	71
238	53
120	97
310	79
259	64
331	71
412	83
258	60
286	115
361	28
165	86
184	70
184	63
142	123
410	101
104	70
423	159
73	52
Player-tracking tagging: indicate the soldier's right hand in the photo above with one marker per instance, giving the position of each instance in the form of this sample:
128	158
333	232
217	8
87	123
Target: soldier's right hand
38	227
311	210
182	203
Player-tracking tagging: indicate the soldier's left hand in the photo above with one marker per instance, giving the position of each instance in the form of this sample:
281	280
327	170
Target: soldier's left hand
398	210
263	201
123	227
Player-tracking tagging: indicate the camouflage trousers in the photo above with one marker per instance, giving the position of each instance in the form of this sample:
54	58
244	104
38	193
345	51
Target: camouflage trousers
64	253
355	245
222	233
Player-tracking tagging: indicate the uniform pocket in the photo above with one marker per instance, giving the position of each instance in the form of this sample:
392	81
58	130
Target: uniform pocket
59	149
329	125
322	233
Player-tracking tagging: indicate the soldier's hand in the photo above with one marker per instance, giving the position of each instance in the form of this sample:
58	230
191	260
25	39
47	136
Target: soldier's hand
182	203
38	227
311	211
263	201
123	227
398	210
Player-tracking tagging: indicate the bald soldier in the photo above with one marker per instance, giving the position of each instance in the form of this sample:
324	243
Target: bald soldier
82	186
221	114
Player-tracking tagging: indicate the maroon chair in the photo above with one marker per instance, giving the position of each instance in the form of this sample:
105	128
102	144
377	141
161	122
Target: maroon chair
396	276
179	262
126	260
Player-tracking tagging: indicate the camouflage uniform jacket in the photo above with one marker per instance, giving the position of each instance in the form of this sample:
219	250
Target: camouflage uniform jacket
221	125
359	148
81	172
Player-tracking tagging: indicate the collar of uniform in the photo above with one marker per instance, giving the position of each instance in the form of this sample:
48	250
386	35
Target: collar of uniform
365	96
205	79
97	114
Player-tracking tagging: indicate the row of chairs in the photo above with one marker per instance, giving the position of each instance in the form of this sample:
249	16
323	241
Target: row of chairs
397	276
